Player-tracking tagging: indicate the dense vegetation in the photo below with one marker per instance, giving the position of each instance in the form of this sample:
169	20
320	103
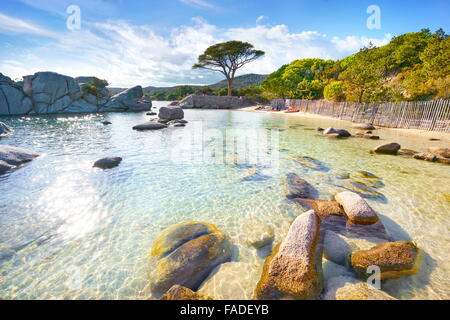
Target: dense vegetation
413	66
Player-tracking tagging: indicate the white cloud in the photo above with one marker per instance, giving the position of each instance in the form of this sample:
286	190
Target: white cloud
260	19
127	54
14	25
200	3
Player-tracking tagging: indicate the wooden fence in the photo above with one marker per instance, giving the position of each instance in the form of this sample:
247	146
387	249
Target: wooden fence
427	115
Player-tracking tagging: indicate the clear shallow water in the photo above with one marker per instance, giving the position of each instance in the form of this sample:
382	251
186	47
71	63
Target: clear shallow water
74	232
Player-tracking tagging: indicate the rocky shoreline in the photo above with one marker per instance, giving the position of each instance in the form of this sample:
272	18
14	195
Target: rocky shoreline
53	93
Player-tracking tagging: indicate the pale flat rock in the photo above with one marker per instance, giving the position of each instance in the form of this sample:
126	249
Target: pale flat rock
231	281
294	270
348	288
356	208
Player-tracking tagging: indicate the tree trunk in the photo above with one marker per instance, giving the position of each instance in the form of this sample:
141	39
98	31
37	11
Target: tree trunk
361	95
230	87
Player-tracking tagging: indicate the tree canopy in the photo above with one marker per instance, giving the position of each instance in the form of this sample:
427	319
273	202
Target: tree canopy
227	58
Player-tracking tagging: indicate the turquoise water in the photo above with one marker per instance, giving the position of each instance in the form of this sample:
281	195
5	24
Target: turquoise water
69	231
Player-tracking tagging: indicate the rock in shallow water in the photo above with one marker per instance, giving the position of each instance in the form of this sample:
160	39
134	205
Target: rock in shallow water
356	208
186	253
348	288
340	132
442	152
294	270
182	293
299	188
149	126
4	129
171	113
258	235
389	148
322	208
395	259
108	162
11	157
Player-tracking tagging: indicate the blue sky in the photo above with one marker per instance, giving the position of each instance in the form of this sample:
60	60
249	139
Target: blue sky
156	42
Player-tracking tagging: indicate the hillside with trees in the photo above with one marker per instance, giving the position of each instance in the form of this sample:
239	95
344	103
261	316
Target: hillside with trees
413	66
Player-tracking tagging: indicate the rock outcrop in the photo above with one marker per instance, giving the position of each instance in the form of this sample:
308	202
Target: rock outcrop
394	259
12	157
108	162
50	93
186	253
294	270
4	129
182	293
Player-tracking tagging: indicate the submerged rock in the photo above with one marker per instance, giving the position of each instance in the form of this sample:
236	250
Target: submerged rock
108	162
231	281
441	152
340	132
425	156
348	288
338	248
258	235
171	113
4	129
182	293
299	188
311	163
389	148
12	157
406	152
356	208
294	270
395	259
186	253
149	126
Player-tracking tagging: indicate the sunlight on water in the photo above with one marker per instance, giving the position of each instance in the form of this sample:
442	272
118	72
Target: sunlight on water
69	231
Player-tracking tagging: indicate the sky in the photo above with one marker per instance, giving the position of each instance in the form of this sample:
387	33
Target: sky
156	42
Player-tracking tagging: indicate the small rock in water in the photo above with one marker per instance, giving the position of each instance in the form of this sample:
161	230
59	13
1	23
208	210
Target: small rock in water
340	132
258	235
395	259
182	293
108	162
320	129
171	113
425	156
11	157
4	129
106	123
149	126
322	208
390	148
406	152
151	113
